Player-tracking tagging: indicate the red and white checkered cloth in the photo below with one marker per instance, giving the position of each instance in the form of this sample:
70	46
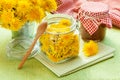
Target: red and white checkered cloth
114	6
92	14
115	16
72	7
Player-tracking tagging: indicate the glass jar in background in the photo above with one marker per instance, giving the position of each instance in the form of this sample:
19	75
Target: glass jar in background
21	41
61	41
94	18
97	36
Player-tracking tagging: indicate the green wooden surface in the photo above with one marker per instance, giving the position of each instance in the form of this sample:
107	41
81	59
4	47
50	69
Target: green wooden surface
34	70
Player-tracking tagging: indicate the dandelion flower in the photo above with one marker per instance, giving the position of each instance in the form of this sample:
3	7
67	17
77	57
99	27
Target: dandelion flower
16	24
90	48
6	17
65	22
49	5
23	7
15	13
7	4
36	2
36	14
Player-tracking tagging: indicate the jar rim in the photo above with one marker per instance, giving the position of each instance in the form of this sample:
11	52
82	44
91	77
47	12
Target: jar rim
60	16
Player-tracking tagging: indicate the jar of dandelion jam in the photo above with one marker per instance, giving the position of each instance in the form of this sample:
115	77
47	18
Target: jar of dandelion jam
94	18
60	42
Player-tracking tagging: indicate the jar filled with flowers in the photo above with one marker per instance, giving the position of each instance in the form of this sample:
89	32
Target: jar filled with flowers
22	18
61	40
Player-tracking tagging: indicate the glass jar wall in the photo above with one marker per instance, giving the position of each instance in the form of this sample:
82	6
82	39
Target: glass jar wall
60	42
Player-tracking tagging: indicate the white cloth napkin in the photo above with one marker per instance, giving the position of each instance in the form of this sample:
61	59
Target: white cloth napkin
72	65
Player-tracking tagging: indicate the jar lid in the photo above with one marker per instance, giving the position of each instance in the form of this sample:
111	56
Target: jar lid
94	8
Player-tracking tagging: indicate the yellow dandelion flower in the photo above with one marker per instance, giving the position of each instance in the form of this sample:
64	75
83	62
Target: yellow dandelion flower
1	1
36	14
0	15
1	4
23	7
49	5
8	4
21	11
36	2
90	48
9	21
16	24
7	16
65	22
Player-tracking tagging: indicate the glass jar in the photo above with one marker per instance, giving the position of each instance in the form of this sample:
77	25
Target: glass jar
61	41
21	41
94	18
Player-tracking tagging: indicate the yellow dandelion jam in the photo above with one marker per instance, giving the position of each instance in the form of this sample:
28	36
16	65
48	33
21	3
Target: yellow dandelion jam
60	46
90	48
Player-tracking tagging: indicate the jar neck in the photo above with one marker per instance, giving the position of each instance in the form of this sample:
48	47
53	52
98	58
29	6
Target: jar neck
62	30
55	19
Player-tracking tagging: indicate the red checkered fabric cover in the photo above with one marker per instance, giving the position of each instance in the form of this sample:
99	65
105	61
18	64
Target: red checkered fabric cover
69	7
115	16
92	14
114	7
